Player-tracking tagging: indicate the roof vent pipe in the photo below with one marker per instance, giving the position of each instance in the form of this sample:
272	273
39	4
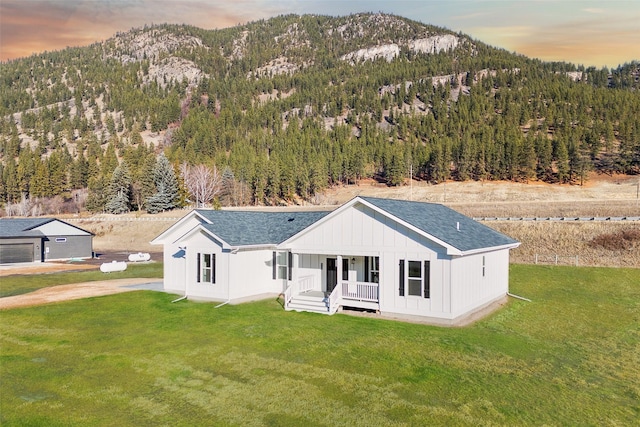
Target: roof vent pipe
458	226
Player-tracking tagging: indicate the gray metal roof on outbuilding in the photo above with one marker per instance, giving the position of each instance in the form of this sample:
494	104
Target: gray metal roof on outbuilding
21	227
24	227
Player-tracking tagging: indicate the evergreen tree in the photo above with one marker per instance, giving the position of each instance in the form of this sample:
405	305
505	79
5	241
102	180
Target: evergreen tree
562	162
98	194
166	196
119	195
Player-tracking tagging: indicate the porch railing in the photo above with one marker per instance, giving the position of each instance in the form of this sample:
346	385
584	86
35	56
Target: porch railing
334	299
288	293
305	284
361	291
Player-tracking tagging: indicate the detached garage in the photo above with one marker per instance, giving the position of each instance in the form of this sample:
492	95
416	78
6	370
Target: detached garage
42	239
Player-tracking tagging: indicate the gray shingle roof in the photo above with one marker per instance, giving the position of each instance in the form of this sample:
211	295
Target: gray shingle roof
442	222
21	227
239	228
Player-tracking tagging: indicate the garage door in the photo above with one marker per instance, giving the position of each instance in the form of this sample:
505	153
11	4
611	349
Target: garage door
16	252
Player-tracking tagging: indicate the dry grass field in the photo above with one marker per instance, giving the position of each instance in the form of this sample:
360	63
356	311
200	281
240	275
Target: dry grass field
605	243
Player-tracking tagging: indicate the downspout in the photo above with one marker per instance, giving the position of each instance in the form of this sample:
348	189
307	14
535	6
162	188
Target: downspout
518	297
233	252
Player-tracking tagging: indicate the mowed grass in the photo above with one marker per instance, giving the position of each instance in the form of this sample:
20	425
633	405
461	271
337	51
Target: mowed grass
569	357
21	284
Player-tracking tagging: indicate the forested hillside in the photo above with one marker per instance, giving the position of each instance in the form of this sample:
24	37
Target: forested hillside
278	110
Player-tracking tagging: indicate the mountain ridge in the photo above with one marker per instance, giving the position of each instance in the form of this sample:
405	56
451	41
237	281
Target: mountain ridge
369	95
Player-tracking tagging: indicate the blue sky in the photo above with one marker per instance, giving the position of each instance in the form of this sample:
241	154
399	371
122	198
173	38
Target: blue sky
599	33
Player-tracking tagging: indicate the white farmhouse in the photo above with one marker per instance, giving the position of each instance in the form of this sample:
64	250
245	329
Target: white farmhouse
403	259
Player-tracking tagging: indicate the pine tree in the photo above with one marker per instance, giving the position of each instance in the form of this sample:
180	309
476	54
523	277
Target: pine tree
166	196
562	162
97	198
119	200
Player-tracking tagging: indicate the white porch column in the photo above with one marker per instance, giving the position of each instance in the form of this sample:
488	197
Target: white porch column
294	270
339	278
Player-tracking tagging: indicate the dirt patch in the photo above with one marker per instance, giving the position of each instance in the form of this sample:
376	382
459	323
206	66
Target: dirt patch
71	292
59	267
44	268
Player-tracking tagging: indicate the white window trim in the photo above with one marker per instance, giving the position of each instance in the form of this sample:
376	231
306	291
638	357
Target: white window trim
202	268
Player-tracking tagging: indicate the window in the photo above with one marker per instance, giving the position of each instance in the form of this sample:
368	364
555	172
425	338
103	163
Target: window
414	278
372	269
345	268
417	276
61	239
282	265
207	268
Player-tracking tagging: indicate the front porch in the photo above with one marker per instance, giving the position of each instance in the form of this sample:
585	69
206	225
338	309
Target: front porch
305	295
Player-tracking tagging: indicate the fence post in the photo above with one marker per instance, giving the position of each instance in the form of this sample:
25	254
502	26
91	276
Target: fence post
556	259
536	259
576	260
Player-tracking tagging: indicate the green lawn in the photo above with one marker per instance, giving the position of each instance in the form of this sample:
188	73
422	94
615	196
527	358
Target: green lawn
21	284
569	357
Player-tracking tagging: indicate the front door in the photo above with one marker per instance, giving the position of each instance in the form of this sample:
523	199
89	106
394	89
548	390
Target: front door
332	274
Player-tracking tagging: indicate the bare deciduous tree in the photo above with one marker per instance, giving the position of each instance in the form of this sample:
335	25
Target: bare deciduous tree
25	206
202	183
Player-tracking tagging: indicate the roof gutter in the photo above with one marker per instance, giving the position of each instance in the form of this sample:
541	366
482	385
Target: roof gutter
235	249
487	249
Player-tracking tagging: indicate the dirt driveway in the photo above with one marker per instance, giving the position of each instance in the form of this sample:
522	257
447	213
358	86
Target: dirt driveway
74	291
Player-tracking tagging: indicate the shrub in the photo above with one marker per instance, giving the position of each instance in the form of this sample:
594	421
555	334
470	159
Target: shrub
621	240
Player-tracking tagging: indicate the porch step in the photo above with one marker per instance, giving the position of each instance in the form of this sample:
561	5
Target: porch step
313	303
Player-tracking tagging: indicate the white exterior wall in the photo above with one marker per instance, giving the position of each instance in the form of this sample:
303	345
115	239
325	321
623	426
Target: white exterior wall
174	268
201	243
173	256
469	289
361	231
251	274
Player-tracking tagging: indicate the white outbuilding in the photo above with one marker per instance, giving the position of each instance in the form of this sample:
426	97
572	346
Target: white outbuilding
403	259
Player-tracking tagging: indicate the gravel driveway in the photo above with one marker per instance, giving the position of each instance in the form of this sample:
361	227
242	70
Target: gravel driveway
78	291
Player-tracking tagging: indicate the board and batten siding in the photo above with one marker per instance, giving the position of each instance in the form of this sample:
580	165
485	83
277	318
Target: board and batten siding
200	243
174	257
362	231
251	273
470	289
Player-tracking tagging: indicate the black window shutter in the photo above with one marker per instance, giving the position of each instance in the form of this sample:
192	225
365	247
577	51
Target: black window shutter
290	265
198	269
273	265
213	268
366	269
427	279
401	282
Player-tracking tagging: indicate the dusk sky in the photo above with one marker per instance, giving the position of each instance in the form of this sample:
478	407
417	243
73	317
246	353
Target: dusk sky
599	33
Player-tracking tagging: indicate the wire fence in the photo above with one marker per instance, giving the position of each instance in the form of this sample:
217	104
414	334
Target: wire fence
556	259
